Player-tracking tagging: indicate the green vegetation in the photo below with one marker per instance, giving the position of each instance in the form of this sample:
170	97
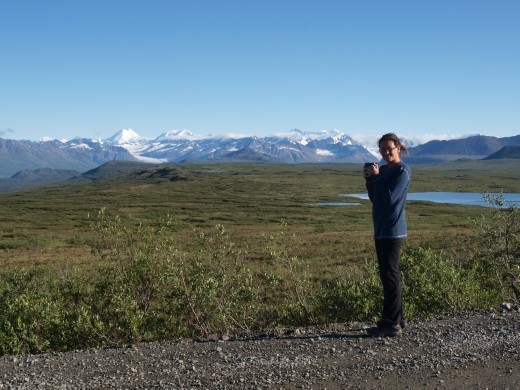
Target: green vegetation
169	252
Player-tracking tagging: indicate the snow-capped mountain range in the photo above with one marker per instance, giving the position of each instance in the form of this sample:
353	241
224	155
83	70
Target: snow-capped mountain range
182	146
179	146
296	147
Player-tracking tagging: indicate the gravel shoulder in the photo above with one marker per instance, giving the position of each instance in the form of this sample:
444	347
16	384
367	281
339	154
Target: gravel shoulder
470	350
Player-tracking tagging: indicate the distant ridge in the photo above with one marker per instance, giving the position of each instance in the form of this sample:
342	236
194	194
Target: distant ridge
79	154
510	151
36	177
479	145
44	174
250	155
145	170
184	147
113	168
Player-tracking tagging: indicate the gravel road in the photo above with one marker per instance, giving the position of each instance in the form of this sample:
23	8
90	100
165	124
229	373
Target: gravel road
470	350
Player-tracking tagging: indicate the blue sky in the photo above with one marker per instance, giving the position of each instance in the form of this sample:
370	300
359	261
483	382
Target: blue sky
422	69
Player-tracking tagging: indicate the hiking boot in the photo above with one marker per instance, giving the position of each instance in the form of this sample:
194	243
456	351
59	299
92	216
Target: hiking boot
383	323
385	331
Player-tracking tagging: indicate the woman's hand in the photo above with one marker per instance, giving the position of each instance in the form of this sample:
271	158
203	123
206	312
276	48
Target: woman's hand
371	170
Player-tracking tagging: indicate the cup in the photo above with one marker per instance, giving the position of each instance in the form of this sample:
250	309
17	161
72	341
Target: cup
366	168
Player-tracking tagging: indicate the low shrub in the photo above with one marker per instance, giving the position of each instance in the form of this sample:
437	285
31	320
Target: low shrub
357	296
289	289
434	282
498	246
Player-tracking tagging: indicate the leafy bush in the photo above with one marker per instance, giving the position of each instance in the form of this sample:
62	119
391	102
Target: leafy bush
498	242
39	314
198	293
293	292
218	291
433	283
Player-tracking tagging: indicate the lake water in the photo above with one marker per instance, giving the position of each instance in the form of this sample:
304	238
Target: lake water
337	204
463	198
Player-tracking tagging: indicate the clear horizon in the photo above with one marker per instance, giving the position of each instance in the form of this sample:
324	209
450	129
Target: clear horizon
422	69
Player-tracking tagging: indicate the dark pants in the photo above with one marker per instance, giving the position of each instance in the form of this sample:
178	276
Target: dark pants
388	253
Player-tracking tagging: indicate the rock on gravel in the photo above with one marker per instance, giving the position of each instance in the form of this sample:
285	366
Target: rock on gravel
470	350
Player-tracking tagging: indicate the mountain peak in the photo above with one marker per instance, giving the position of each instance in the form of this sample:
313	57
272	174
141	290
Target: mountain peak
304	137
177	135
124	136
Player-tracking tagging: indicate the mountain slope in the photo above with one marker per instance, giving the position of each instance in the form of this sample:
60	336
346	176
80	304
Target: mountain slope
506	152
79	154
479	145
37	177
112	168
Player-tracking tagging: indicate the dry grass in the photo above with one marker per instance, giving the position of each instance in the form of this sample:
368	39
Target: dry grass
51	225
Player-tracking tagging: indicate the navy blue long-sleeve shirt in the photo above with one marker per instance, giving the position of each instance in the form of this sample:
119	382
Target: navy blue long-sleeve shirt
388	191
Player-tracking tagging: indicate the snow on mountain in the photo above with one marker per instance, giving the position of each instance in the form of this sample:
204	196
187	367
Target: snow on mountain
303	137
375	153
293	147
134	144
80	145
124	137
409	143
177	135
322	152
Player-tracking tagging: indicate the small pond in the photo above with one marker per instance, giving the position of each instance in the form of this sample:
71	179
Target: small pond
336	204
463	198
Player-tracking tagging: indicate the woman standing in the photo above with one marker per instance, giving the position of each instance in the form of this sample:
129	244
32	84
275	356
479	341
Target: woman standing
387	187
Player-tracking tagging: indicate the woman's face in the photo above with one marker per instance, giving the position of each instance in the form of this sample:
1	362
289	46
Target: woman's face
390	152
